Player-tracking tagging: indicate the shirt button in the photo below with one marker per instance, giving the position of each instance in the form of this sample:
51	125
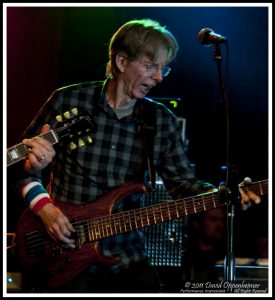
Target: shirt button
113	147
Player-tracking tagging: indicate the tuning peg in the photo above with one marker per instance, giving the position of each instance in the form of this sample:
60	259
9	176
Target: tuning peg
81	143
74	111
59	118
89	140
72	145
67	114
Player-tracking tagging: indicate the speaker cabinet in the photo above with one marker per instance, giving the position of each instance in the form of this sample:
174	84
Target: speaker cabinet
164	242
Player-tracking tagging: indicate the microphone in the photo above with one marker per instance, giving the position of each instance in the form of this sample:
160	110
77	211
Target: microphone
208	37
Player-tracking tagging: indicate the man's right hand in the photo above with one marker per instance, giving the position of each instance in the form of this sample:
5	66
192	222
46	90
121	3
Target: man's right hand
57	224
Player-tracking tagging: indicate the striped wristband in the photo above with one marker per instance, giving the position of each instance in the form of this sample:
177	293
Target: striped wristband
35	195
42	202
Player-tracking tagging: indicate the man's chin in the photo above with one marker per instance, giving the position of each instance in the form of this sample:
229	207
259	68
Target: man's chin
143	91
138	96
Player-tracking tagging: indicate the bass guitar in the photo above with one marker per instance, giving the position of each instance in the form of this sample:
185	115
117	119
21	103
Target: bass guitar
95	221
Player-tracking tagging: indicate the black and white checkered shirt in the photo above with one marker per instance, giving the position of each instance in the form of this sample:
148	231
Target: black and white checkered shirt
115	157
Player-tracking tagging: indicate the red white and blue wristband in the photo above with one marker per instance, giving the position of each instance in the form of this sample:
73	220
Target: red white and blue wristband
35	195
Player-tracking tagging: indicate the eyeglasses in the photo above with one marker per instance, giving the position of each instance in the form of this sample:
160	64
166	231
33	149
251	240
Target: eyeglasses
152	68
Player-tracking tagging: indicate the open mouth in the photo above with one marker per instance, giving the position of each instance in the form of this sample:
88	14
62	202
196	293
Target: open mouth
145	88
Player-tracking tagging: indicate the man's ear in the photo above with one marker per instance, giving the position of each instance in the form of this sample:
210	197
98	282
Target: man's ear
121	62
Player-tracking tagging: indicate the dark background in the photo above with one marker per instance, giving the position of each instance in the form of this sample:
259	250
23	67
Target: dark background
49	47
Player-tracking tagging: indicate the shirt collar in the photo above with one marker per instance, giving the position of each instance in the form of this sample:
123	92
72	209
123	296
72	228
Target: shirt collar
102	102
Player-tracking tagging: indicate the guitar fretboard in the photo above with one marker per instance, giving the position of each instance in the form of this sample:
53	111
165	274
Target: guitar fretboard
118	223
94	229
20	151
98	228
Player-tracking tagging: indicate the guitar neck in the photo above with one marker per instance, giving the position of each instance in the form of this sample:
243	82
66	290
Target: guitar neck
123	222
20	151
133	219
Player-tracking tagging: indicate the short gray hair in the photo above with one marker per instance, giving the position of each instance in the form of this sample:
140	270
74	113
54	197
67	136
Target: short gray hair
137	38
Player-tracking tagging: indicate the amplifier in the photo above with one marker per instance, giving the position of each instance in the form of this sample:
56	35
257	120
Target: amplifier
164	242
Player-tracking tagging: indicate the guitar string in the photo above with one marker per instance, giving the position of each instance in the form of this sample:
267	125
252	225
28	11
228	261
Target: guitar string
116	219
23	150
102	222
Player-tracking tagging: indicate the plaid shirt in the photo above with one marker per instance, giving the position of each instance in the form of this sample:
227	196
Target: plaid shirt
115	157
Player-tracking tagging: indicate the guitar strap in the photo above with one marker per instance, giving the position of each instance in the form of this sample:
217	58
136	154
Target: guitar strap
148	130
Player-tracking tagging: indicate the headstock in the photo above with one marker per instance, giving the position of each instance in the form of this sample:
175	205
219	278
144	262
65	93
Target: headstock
72	127
75	128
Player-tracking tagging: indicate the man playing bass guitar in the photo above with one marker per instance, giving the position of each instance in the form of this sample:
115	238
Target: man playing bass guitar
92	201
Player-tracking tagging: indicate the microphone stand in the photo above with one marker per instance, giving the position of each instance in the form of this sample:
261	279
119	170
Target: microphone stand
229	262
218	60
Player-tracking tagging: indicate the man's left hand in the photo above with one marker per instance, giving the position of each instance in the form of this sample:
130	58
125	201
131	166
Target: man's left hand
248	197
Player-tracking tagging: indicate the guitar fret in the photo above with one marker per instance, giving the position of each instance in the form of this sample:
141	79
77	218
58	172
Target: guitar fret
125	226
181	209
136	221
97	232
139	218
129	220
168	209
111	228
89	232
155	221
119	222
109	222
147	217
185	209
161	216
214	202
141	221
172	213
106	228
127	223
50	137
261	190
102	230
22	149
177	210
203	203
92	231
115	224
194	205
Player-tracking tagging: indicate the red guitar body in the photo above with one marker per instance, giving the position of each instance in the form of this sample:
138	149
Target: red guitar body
58	264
